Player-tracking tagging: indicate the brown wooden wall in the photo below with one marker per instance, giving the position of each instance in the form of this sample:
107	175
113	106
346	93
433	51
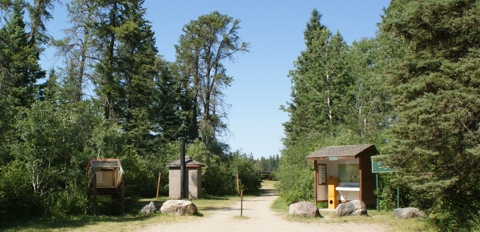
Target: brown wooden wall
367	187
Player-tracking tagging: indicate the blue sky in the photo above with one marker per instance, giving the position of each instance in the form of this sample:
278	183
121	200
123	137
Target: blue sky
274	29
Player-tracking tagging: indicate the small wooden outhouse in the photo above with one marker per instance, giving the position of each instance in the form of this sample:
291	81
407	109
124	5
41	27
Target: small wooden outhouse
344	173
193	178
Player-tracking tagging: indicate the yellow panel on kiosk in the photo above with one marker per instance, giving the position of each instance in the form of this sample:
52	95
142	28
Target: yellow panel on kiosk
332	193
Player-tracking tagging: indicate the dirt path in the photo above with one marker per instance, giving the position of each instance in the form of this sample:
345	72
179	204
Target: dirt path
258	217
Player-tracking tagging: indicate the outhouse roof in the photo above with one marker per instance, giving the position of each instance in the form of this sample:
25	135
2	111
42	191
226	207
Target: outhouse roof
104	163
343	152
189	162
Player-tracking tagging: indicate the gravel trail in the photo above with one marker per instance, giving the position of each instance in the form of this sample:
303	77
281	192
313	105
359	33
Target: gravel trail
257	217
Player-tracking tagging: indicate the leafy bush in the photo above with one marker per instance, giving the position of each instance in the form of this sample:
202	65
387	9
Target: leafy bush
244	166
217	178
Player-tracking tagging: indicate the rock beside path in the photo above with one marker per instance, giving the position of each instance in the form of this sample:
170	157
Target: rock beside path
148	209
304	208
178	207
408	212
351	208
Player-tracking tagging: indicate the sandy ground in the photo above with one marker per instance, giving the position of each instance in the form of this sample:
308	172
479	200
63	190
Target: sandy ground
258	217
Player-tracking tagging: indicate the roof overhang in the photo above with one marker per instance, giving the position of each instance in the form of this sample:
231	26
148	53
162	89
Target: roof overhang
342	152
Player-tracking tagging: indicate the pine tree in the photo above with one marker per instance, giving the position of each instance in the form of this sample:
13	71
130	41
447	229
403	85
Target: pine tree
435	144
78	48
205	44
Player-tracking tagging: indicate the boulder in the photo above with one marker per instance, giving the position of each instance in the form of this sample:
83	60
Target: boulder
148	209
178	207
351	208
408	212
304	208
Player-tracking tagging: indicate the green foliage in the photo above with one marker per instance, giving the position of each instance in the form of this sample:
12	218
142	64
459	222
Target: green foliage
295	172
143	105
203	47
267	164
167	113
50	152
435	89
322	92
243	164
17	199
19	55
217	177
78	49
337	99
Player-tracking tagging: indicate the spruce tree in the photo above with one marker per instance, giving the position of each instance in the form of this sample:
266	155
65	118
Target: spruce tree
19	72
20	67
137	54
322	111
167	113
322	93
127	70
435	144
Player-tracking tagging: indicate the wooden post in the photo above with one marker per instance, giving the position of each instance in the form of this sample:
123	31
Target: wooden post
315	182
241	203
238	184
123	194
183	190
94	193
158	183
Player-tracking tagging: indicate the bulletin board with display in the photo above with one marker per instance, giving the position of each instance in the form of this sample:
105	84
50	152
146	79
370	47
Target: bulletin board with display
322	174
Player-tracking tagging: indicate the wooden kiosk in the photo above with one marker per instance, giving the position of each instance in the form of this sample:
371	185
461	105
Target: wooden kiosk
107	178
344	173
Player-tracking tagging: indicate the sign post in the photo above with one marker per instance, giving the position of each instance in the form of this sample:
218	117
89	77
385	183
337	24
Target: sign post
377	167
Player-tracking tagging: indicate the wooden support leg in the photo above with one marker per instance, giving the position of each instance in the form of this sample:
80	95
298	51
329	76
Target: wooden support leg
123	194
94	194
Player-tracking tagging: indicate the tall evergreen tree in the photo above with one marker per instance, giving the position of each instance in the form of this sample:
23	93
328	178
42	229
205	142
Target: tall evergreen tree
435	143
105	30
19	72
168	114
137	55
322	111
322	93
203	47
20	67
78	49
128	69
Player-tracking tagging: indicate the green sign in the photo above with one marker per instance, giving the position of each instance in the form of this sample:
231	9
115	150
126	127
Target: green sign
332	158
378	168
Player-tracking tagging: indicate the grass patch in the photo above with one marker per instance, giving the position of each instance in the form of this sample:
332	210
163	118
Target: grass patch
132	220
383	218
241	217
91	223
268	184
280	206
128	222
